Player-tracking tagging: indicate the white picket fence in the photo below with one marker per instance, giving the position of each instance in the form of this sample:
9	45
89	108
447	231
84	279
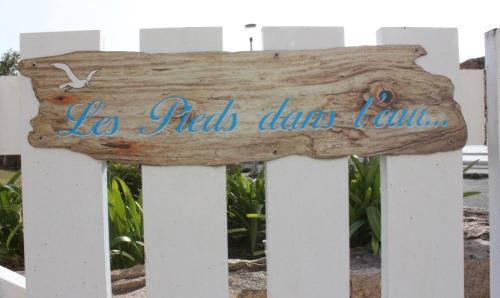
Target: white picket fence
65	203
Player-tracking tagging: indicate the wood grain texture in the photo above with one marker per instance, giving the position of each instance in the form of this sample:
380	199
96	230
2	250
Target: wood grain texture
332	79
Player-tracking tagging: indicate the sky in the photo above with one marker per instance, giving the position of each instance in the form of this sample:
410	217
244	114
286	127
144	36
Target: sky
120	20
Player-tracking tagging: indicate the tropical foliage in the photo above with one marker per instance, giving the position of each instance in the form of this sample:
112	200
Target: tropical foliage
245	213
126	232
11	224
125	225
364	202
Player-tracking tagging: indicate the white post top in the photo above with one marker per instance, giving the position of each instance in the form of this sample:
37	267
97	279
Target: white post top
35	45
176	40
302	38
437	41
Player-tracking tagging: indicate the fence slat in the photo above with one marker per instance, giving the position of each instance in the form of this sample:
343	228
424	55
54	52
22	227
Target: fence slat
422	229
185	206
492	63
470	95
10	112
64	197
307	202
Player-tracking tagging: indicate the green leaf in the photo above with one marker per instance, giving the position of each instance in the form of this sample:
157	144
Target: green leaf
372	172
368	195
354	197
354	227
237	230
12	234
471	193
14	178
359	166
375	244
373	215
119	240
116	252
256	216
469	166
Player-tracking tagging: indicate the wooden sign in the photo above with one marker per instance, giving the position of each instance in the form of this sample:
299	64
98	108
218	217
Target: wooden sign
218	108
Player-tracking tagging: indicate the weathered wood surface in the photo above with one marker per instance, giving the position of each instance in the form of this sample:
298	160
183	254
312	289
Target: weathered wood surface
337	80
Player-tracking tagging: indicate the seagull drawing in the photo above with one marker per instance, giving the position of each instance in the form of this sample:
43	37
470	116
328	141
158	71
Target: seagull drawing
75	83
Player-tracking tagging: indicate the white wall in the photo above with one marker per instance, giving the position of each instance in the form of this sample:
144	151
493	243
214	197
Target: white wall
10	110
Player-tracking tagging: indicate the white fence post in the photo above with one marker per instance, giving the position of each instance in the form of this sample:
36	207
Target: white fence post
492	64
307	202
64	197
422	229
185	206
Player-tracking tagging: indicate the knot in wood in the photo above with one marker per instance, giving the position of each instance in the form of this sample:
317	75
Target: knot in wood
383	94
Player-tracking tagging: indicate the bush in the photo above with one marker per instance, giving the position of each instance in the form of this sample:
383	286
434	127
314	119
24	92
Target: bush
364	202
11	224
126	231
245	214
9	63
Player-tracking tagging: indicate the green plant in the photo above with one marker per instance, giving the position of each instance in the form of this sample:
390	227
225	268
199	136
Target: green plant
126	231
364	202
11	224
245	214
129	173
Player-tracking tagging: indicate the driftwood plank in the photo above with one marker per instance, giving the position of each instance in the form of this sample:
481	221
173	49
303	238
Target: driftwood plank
372	101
